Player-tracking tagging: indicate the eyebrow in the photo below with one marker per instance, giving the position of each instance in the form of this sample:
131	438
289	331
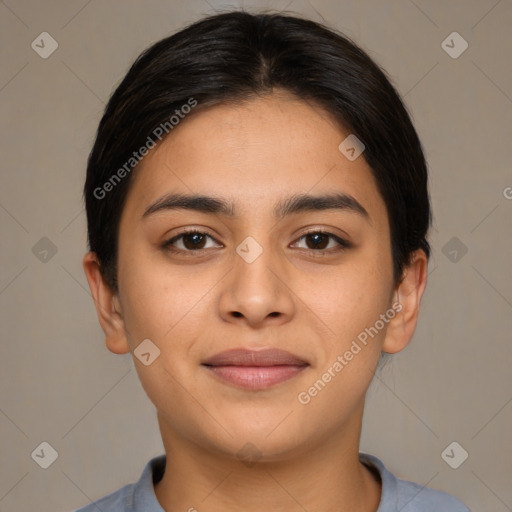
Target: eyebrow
297	203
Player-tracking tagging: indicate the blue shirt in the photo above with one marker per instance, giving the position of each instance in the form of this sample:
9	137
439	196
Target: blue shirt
397	495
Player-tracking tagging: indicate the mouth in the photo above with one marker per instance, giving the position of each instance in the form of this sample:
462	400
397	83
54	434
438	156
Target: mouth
255	370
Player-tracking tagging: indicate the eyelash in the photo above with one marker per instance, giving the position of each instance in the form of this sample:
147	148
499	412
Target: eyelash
167	245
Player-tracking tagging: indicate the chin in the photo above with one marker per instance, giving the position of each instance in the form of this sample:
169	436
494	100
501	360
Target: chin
269	439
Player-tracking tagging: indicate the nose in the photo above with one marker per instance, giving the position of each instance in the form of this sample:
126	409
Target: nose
256	291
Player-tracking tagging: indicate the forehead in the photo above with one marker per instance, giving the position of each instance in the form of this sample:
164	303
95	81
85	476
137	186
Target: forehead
255	153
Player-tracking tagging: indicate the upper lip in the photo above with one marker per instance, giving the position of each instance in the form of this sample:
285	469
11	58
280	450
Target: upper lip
245	357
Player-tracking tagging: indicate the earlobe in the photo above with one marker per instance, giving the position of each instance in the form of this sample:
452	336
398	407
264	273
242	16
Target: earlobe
408	295
107	306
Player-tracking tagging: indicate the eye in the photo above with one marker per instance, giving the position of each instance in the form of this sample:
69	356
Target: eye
188	241
321	240
195	240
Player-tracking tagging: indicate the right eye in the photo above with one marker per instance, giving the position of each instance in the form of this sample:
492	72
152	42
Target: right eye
187	242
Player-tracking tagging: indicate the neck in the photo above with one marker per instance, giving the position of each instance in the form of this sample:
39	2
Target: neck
325	477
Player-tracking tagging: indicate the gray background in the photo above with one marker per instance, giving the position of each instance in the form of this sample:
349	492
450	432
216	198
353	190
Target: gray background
59	382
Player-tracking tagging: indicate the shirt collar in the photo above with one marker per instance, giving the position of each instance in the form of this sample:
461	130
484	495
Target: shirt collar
144	497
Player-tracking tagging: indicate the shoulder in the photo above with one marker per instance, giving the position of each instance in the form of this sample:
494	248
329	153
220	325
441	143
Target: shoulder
120	500
404	496
133	497
412	497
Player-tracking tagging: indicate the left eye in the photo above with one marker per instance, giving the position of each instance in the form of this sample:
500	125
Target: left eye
318	240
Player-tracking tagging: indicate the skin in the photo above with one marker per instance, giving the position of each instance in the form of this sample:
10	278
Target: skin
291	297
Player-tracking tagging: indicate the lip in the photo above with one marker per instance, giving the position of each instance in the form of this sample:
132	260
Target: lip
256	370
245	357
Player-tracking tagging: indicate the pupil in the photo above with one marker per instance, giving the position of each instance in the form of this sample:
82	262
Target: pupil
317	237
197	239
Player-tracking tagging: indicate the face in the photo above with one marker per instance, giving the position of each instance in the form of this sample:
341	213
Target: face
261	271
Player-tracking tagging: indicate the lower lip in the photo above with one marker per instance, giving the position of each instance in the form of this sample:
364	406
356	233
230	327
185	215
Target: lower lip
256	377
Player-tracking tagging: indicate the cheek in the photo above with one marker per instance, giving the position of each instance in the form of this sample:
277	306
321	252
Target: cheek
350	296
162	302
354	298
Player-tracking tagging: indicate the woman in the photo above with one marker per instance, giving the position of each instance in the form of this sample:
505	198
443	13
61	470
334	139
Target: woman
258	211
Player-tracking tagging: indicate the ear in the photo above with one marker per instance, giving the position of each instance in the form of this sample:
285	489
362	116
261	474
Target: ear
408	294
107	305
